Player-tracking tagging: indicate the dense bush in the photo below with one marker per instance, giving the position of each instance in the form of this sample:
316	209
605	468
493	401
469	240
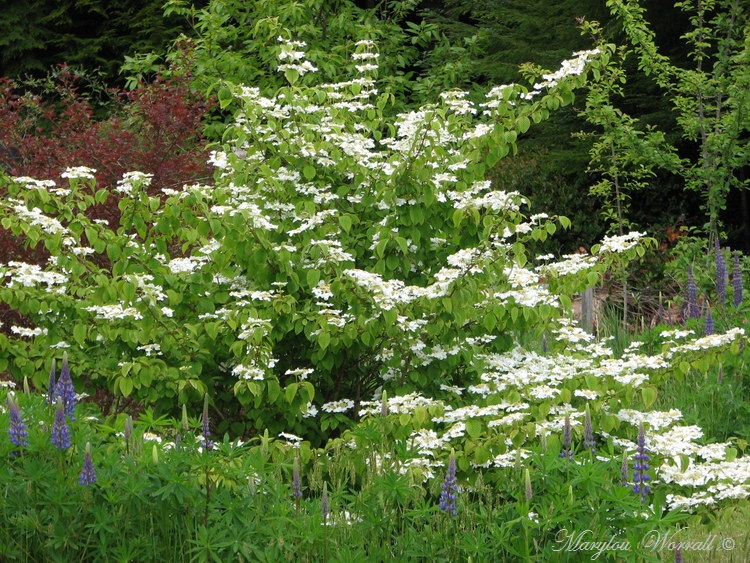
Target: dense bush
352	278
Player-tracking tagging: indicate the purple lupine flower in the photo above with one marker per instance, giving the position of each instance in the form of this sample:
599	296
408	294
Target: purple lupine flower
17	432
384	404
324	502
449	488
127	428
641	465
737	280
296	480
51	386
527	491
208	444
624	470
721	273
693	311
60	431
678	555
65	391
87	476
588	433
567	450
709	324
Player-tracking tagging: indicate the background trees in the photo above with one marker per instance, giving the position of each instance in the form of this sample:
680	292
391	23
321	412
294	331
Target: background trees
94	34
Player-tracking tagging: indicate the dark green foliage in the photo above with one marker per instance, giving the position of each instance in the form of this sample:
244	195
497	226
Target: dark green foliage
95	34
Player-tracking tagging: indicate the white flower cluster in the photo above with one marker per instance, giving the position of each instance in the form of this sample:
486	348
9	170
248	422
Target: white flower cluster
289	53
570	264
707	342
620	243
251	372
35	217
31	275
24	332
187	265
115	312
569	67
496	200
130	180
400	404
343	405
30	183
79	173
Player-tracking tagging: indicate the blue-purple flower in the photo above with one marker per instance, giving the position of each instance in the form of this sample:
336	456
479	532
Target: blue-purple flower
588	433
208	444
693	310
641	466
17	431
65	391
721	273
708	327
567	449
624	470
60	436
737	280
449	488
51	397
87	476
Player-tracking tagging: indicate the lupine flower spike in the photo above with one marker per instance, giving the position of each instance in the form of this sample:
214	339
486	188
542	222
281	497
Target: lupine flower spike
709	327
567	450
60	436
324	503
528	493
449	488
296	480
693	311
208	444
737	280
17	431
588	433
51	386
721	273
65	391
127	432
678	555
87	476
641	465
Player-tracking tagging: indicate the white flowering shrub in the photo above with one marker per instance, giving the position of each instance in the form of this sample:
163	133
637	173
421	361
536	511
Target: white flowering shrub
338	252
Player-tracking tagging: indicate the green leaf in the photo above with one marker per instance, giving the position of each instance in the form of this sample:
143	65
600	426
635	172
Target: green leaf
225	97
345	221
648	394
79	334
126	386
313	277
523	124
474	428
273	390
324	339
290	392
308	172
291	75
